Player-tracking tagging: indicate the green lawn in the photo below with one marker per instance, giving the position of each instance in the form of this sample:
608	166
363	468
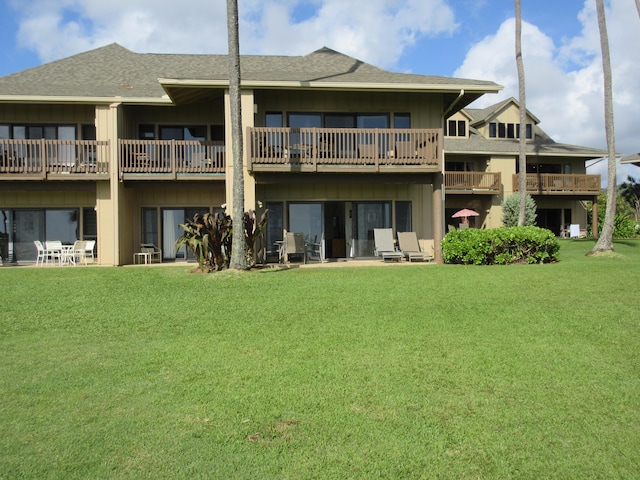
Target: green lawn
430	371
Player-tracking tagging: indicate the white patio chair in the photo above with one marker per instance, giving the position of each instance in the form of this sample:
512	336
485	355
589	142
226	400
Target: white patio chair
88	250
42	253
54	250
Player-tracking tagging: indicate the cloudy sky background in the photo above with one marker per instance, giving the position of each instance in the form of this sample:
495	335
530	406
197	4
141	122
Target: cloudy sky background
460	38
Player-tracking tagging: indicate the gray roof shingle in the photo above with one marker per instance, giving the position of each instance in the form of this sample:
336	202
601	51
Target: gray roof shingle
113	71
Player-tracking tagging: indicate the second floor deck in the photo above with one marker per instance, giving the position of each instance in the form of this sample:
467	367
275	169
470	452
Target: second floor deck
344	150
559	184
53	159
484	183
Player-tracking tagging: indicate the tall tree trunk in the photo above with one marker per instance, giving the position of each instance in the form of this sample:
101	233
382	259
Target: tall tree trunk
239	247
605	242
638	6
522	154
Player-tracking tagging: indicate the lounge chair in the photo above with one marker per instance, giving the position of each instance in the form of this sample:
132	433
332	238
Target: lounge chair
410	248
384	247
293	245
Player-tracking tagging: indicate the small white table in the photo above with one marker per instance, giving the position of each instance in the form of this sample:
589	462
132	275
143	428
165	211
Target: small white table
139	257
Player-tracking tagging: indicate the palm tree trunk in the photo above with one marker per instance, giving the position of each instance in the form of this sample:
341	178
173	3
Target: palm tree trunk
638	6
605	242
238	247
522	154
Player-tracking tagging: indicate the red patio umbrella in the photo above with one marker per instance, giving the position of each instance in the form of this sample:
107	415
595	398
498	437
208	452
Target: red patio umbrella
465	212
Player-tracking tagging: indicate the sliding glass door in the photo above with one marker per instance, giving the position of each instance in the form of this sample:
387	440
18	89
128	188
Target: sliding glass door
367	216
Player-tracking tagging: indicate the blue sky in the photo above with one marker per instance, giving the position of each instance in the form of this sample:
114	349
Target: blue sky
462	38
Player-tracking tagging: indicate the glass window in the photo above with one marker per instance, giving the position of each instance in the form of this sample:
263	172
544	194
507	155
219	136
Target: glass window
452	131
4	132
305	120
146	132
62	225
217	133
274	225
306	218
367	216
273	119
502	130
89	224
401	120
529	130
88	132
338	120
462	128
403	216
149	225
372	121
493	130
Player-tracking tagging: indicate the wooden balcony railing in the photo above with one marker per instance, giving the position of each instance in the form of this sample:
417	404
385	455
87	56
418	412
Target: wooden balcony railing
170	158
344	150
554	184
473	182
53	159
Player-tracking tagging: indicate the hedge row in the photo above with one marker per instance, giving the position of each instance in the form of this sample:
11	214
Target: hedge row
500	246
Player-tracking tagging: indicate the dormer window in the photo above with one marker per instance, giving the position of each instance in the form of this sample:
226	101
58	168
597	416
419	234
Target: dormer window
455	128
508	130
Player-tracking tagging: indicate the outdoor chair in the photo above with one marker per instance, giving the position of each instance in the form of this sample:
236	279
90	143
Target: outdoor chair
74	254
42	253
53	250
293	245
315	250
384	247
410	248
88	251
154	253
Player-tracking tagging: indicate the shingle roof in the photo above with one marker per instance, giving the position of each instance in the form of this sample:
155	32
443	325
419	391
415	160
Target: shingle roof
542	145
113	70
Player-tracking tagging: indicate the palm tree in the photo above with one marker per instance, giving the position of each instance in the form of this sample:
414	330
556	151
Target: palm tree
522	154
605	241
239	246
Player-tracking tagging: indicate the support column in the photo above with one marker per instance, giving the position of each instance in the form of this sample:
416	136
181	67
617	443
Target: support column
594	218
438	215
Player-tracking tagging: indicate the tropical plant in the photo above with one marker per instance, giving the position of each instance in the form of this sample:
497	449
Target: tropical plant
623	224
254	234
208	236
630	191
511	210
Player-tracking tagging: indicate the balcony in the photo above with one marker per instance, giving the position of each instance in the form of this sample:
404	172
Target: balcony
54	159
559	184
344	150
483	183
171	160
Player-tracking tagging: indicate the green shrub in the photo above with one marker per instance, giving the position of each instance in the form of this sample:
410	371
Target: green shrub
511	210
500	246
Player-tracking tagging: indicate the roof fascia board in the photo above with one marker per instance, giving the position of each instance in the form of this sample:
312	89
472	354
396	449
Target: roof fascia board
515	152
448	88
88	100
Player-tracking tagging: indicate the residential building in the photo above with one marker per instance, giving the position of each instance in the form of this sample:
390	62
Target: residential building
482	169
120	147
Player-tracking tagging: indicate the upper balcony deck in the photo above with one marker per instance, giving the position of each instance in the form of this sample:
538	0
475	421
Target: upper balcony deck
486	183
54	159
344	150
559	184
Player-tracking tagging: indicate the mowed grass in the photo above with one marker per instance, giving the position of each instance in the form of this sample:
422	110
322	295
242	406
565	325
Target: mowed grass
431	371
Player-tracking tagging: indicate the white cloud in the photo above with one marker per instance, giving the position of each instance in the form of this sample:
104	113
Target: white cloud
377	34
564	82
